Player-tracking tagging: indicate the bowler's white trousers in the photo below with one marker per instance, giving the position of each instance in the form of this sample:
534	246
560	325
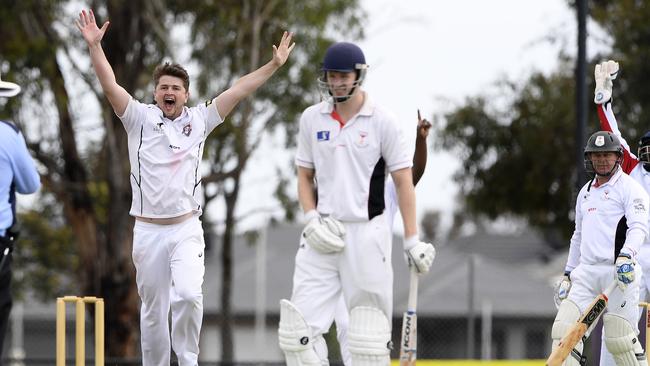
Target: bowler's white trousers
362	271
169	261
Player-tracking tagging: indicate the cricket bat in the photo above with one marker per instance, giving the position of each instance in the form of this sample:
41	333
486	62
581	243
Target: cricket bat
408	343
578	330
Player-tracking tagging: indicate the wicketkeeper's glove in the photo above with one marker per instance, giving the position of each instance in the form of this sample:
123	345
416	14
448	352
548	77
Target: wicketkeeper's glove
624	270
604	73
324	234
419	255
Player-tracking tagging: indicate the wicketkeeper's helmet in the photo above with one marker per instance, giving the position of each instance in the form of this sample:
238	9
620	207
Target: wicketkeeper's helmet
644	151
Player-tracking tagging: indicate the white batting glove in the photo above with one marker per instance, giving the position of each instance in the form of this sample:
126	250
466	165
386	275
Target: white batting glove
562	288
604	73
624	270
326	235
419	255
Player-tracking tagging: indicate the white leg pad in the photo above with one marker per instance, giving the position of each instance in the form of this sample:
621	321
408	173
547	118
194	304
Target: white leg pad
296	341
567	315
622	342
369	337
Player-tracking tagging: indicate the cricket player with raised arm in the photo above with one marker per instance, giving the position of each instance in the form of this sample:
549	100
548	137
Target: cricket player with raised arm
638	167
166	141
611	223
347	145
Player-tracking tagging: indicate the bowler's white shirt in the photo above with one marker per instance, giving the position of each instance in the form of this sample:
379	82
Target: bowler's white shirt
165	156
599	212
347	160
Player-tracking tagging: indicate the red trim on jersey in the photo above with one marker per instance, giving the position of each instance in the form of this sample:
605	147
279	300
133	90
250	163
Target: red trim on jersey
629	163
337	117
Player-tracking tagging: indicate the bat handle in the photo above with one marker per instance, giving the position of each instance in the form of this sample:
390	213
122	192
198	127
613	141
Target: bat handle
413	292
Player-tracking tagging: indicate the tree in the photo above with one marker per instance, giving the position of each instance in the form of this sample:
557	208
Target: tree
86	196
517	160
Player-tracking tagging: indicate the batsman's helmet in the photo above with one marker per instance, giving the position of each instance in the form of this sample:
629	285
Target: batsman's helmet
343	57
602	141
644	150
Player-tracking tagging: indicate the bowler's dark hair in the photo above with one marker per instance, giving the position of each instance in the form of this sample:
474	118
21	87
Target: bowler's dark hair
175	70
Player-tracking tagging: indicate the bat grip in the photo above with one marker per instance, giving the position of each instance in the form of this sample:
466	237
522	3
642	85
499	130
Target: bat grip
413	292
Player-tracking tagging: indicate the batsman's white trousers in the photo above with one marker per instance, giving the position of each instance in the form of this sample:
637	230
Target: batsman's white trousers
170	266
588	281
362	272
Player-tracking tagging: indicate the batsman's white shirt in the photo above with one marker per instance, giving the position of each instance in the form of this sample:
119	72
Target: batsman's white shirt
165	156
351	162
610	218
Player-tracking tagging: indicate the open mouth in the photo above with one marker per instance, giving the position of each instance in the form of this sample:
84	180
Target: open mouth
169	101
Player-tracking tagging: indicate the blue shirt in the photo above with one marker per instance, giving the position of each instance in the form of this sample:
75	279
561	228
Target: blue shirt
17	172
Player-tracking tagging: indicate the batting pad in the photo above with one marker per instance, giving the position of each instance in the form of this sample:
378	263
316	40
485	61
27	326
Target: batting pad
295	338
622	342
567	315
369	337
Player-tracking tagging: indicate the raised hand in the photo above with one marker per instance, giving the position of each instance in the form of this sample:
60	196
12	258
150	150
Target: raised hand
423	126
281	52
88	27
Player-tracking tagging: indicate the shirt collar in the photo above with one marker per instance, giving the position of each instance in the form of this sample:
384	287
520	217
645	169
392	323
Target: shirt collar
367	108
612	180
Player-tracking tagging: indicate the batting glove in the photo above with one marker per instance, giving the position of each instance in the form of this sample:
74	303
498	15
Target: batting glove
419	255
604	73
326	235
624	270
562	288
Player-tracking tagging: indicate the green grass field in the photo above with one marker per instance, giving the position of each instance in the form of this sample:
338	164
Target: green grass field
475	363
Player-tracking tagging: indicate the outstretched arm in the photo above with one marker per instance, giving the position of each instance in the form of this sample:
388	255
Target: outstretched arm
247	84
604	74
420	154
116	95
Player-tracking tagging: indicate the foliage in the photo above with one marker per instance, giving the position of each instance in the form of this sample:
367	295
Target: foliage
517	158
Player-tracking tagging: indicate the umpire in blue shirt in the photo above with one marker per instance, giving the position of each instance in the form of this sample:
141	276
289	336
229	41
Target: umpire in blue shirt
17	174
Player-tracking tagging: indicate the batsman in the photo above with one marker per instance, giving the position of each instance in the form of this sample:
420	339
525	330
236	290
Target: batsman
347	145
611	223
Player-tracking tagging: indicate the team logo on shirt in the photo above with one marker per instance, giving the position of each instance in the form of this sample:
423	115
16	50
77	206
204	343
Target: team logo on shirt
638	205
187	129
159	127
322	135
361	142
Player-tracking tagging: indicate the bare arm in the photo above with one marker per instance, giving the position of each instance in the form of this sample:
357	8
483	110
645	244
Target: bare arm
116	95
247	84
406	198
306	189
420	154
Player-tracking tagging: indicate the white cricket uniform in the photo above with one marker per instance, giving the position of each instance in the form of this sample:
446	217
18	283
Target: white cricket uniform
341	316
610	218
165	180
631	165
351	163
